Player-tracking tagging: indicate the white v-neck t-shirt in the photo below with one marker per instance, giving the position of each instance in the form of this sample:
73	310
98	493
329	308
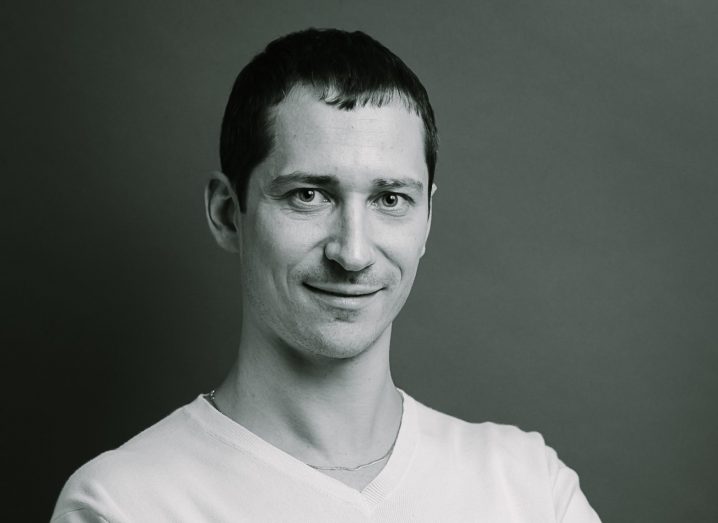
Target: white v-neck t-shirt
198	465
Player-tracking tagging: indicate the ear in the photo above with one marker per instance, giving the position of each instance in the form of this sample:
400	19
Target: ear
428	226
222	208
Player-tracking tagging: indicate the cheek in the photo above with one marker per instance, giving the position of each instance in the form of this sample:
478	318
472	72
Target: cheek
403	245
281	242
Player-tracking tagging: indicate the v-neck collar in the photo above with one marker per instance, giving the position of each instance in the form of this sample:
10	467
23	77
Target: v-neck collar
237	436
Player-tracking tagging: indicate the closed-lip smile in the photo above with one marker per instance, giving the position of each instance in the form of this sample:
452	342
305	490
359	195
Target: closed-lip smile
344	291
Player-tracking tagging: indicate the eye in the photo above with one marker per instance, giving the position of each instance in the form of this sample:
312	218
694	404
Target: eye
307	197
390	199
393	203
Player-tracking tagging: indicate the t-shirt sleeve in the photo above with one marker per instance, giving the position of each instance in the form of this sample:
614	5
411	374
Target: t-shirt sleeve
570	504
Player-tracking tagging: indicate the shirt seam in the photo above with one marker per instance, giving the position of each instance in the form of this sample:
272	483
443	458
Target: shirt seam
80	509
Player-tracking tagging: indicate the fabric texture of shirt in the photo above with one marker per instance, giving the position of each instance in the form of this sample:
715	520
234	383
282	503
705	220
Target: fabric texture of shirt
198	465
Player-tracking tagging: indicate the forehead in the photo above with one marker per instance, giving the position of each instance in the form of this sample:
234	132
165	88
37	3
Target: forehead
313	136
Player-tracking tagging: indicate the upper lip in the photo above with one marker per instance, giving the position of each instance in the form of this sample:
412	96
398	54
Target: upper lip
344	289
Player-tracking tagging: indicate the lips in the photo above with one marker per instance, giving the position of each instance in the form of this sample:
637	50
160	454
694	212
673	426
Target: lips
343	297
343	290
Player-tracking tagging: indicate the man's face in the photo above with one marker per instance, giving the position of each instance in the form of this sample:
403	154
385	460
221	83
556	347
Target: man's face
336	221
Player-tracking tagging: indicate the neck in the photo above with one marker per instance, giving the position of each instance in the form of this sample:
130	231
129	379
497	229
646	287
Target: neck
323	411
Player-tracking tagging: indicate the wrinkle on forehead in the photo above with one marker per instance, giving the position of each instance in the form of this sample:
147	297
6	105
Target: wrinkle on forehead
312	136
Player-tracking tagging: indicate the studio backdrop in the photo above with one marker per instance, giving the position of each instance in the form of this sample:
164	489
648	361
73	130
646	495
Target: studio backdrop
569	284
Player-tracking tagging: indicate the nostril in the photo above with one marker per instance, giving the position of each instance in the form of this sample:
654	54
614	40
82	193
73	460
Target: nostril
350	256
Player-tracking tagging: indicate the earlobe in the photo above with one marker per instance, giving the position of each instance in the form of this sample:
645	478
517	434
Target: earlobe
222	210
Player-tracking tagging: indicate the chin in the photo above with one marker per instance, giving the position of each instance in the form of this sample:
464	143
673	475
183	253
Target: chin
339	341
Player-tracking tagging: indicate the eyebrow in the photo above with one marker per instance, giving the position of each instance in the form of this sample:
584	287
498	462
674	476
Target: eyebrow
326	180
398	183
320	180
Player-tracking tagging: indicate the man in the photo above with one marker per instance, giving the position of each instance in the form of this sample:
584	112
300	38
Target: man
328	153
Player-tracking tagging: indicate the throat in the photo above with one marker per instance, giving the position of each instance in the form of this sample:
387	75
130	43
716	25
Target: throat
341	419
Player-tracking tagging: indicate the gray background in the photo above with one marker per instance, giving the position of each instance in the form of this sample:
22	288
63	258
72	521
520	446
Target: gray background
570	281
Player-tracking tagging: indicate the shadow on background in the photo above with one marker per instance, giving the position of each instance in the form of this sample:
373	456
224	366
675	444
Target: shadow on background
569	285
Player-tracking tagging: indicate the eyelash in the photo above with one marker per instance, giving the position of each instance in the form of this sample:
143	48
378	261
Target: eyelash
297	192
293	197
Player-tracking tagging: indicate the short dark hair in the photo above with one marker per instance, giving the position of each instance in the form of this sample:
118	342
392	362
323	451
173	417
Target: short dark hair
347	69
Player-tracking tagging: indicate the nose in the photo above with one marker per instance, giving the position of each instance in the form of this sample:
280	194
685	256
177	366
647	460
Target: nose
350	244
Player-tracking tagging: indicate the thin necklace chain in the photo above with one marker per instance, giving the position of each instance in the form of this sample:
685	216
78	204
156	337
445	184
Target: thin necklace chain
213	401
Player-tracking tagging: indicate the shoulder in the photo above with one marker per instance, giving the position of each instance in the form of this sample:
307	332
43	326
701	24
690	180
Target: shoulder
495	449
150	457
485	437
520	461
